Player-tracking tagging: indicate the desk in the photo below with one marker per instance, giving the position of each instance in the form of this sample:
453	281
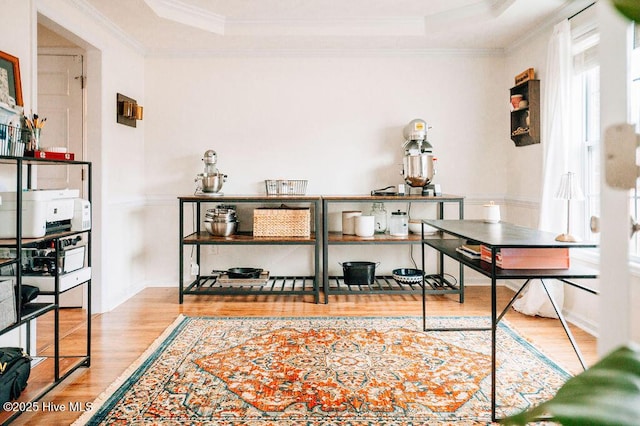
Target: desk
497	236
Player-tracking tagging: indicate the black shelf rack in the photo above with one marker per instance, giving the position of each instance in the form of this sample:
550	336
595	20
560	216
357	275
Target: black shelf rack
277	285
54	367
436	283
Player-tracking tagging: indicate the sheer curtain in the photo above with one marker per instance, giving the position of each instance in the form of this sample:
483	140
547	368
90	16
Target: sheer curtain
558	159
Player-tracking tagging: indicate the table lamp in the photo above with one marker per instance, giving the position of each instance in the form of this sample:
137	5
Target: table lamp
568	190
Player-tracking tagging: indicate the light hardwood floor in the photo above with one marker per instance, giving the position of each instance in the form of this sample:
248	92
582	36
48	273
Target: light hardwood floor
119	337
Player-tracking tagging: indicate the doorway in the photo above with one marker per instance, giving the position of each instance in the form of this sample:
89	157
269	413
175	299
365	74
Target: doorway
61	100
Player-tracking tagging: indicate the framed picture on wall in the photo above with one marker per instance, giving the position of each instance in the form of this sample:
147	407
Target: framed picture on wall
10	86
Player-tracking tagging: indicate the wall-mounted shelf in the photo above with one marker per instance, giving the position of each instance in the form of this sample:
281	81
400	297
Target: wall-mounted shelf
525	122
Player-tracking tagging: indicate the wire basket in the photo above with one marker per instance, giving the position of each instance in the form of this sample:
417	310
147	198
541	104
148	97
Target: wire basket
13	140
286	186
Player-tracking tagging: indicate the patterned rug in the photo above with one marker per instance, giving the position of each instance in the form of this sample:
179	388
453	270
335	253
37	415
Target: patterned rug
326	371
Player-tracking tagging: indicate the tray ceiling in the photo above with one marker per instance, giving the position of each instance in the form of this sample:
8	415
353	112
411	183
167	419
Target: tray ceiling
228	26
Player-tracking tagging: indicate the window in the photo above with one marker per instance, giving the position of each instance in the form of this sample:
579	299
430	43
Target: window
586	121
634	96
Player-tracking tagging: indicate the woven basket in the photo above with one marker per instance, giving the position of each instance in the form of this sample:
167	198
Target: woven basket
282	222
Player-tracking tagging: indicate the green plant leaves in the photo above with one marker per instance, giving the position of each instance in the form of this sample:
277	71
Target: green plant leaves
608	393
629	8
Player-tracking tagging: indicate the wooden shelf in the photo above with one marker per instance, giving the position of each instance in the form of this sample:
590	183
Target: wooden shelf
339	238
26	242
5	261
246	238
530	91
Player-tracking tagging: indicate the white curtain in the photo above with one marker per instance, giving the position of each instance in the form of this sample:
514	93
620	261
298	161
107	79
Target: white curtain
558	159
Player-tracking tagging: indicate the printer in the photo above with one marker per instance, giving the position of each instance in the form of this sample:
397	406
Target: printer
44	211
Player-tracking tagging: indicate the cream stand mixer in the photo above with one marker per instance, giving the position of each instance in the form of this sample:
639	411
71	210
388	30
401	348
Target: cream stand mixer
419	163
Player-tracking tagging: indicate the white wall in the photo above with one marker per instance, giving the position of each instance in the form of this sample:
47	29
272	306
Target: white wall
336	121
116	151
524	189
14	40
526	175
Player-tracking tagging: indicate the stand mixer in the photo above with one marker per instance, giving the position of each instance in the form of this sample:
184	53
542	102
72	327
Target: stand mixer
418	161
210	182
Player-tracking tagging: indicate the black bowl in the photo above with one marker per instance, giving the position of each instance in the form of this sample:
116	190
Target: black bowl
408	275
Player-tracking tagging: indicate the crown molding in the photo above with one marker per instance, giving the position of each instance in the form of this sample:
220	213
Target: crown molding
117	32
564	12
325	52
186	14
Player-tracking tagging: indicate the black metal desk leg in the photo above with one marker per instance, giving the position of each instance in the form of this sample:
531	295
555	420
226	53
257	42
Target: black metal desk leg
424	285
325	250
565	326
494	325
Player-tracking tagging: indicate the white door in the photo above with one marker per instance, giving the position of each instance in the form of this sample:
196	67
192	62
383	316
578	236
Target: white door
60	101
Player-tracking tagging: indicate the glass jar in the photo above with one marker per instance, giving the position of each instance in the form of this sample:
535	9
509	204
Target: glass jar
380	217
399	224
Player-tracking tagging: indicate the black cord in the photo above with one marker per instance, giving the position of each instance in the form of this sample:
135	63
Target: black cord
580	11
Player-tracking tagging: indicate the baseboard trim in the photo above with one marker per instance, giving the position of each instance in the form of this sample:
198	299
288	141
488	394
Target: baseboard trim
577	320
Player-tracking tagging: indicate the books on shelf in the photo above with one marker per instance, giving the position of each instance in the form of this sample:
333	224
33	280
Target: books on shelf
472	251
529	258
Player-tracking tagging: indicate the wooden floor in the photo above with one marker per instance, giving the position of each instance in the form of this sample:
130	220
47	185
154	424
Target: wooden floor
120	336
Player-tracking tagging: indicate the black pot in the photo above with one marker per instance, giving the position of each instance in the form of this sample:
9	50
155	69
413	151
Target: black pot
244	272
359	273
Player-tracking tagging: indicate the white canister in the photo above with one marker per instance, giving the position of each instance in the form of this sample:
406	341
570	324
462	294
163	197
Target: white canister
365	225
491	213
348	222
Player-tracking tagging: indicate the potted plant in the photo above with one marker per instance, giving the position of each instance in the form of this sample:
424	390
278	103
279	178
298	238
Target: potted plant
629	8
608	393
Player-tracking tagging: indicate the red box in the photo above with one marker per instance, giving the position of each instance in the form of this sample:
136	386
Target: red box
529	258
50	155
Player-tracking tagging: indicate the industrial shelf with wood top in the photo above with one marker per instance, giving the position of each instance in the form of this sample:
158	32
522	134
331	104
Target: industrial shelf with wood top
53	361
384	284
211	283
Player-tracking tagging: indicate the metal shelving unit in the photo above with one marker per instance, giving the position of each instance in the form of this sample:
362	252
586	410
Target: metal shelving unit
437	283
276	285
54	366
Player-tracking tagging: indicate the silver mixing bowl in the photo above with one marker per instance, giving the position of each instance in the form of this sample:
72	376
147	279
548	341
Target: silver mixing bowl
211	182
221	229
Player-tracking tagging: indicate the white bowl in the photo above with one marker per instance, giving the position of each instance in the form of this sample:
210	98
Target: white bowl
415	227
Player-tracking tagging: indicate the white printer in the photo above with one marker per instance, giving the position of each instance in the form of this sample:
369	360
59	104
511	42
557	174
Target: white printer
44	211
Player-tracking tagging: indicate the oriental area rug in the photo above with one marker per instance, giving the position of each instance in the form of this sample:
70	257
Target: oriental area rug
326	371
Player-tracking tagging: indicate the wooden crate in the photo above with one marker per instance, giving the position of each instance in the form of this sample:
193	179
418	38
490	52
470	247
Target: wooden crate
526	75
282	222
